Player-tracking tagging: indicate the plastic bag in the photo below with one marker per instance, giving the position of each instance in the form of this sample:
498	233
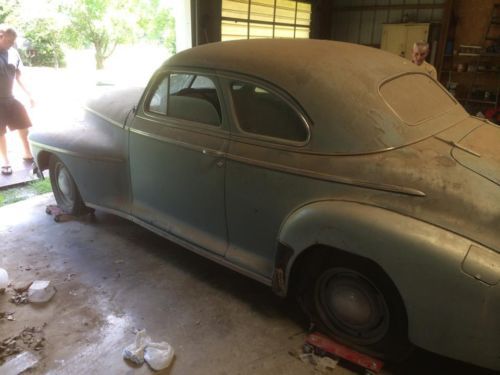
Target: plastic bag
159	355
4	279
135	352
41	291
19	364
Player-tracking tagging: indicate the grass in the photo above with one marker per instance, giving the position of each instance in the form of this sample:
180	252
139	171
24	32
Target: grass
23	192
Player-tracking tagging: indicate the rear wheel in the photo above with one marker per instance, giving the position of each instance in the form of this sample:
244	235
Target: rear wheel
65	190
354	301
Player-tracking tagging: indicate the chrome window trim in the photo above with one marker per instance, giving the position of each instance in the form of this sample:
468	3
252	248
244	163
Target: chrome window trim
228	78
391	78
160	74
185	125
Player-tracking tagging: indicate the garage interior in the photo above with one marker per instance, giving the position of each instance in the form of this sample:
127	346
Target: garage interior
113	277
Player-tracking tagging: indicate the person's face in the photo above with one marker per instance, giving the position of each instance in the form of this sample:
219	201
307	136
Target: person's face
419	55
6	41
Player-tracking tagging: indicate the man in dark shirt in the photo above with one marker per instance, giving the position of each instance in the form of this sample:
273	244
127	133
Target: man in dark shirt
12	113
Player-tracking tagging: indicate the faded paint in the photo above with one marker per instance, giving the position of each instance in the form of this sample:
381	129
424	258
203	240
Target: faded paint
428	193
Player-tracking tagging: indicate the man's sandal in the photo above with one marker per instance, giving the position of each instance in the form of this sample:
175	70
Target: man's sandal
6	170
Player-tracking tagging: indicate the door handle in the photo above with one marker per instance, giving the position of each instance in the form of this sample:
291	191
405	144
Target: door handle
213	153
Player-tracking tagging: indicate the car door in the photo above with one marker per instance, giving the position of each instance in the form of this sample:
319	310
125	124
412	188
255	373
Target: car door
268	133
177	149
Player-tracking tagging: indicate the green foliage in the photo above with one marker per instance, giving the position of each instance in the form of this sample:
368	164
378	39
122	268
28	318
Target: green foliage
41	186
156	23
29	190
7	8
101	23
106	23
44	44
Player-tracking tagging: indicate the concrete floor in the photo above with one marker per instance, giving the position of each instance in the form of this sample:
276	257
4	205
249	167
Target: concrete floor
113	277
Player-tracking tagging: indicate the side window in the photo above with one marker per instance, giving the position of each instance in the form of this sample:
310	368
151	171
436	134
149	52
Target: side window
194	98
179	82
261	112
157	102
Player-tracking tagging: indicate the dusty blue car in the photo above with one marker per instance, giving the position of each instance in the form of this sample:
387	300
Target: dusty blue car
338	173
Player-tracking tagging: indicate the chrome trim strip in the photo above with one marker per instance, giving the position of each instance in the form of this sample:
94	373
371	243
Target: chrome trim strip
111	121
328	177
77	154
459	146
291	170
188	245
189	146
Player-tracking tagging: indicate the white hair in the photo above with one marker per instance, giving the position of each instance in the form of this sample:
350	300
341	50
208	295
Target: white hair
421	44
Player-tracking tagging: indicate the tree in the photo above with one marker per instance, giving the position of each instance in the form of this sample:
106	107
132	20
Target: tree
7	8
156	23
101	23
43	43
107	23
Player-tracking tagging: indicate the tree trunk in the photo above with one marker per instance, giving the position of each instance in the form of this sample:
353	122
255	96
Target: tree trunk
99	61
99	56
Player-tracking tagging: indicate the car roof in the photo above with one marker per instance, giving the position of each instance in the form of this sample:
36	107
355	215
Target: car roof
337	84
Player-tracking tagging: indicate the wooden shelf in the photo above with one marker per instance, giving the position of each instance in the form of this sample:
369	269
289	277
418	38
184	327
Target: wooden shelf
469	72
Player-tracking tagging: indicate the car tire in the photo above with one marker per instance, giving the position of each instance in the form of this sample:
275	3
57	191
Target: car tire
353	301
65	191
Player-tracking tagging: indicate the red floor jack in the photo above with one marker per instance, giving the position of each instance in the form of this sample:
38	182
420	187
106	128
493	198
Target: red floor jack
323	346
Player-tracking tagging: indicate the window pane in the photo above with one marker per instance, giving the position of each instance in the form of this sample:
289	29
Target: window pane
232	30
262	10
302	32
202	82
261	112
400	93
194	99
303	14
260	31
158	101
179	82
235	9
283	32
265	14
285	11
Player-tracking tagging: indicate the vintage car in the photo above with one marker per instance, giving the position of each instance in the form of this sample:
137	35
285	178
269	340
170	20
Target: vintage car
339	173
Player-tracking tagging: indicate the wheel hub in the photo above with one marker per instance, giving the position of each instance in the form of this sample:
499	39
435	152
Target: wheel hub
63	183
351	306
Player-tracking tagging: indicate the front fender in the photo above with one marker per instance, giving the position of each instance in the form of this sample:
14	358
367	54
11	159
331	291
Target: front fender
449	311
95	151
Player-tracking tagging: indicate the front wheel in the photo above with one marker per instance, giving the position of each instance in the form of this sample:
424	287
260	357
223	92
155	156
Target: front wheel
356	303
65	190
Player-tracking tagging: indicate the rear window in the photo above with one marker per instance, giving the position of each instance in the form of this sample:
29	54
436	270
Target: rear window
415	98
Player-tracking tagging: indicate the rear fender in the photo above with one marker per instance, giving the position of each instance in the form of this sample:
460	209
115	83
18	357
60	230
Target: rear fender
425	263
394	241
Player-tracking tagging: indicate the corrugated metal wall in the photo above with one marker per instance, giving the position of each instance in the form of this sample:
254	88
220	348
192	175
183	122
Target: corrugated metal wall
360	21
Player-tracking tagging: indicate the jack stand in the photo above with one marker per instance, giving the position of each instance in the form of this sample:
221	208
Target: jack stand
58	213
321	345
